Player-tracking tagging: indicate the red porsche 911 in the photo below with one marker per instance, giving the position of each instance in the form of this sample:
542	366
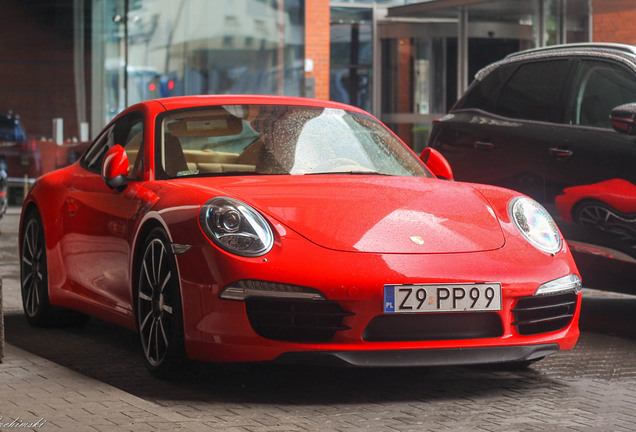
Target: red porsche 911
260	228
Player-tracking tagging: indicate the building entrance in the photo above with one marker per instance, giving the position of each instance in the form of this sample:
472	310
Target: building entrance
428	53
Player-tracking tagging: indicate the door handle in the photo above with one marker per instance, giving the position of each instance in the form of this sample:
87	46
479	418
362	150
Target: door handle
483	145
561	153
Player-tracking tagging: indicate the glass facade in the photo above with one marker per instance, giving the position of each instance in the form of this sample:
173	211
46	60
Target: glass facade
351	56
567	21
144	49
414	86
89	59
409	61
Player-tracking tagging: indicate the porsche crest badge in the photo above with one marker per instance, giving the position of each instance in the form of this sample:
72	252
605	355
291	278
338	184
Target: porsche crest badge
417	240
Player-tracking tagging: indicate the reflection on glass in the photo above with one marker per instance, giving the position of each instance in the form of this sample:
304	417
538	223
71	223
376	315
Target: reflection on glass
413	75
414	135
175	48
351	56
279	140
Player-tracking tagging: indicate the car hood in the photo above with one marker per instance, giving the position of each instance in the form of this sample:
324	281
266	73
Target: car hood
375	214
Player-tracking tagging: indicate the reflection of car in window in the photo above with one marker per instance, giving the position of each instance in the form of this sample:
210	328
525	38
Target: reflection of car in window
541	122
609	206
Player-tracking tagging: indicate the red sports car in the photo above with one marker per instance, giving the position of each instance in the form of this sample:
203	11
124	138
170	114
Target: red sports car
259	228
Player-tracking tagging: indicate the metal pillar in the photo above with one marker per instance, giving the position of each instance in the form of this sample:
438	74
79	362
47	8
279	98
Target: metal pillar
462	51
542	32
563	22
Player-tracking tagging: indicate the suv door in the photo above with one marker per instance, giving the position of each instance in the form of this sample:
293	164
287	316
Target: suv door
501	131
602	162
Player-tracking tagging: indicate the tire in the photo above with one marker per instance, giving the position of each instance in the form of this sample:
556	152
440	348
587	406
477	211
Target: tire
34	281
158	307
33	274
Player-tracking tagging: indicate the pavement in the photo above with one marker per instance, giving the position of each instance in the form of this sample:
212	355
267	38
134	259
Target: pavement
93	379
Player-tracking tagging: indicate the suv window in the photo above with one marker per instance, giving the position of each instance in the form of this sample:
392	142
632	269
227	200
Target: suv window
483	94
534	91
599	87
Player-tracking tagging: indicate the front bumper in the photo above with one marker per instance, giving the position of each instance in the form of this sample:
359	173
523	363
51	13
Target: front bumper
221	331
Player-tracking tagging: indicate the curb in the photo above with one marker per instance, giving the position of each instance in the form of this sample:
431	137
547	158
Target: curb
1	325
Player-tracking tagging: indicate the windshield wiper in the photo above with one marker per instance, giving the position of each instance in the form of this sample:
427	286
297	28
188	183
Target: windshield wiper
363	172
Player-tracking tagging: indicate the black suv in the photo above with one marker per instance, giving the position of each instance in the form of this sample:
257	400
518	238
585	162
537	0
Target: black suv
558	124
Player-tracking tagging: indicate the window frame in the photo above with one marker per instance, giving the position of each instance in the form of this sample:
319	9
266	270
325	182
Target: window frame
107	139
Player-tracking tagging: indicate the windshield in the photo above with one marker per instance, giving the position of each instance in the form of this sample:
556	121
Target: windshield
279	140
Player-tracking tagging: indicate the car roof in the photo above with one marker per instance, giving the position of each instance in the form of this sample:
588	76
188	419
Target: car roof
179	102
622	53
593	46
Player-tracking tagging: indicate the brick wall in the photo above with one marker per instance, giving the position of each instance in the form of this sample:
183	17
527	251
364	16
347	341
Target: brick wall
317	35
36	64
614	26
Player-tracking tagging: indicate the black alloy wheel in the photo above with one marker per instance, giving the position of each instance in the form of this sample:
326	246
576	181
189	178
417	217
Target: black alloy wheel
159	313
33	274
34	281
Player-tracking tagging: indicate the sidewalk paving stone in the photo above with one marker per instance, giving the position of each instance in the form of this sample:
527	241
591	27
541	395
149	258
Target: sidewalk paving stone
93	379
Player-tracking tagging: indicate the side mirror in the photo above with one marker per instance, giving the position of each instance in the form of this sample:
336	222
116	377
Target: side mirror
115	168
437	163
623	119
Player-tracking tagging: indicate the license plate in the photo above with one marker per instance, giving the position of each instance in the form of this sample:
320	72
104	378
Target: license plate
442	298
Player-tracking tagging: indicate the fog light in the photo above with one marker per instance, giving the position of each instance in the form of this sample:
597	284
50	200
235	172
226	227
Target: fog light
242	289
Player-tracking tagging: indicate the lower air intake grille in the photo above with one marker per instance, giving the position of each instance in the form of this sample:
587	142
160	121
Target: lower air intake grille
433	327
295	320
544	314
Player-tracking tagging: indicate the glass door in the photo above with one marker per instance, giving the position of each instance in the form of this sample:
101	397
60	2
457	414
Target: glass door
420	65
414	80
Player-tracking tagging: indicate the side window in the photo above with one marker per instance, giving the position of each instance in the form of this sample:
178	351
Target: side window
128	132
132	140
599	87
535	91
482	95
92	159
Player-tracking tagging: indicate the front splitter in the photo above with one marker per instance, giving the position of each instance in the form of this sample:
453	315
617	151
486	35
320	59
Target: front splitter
424	357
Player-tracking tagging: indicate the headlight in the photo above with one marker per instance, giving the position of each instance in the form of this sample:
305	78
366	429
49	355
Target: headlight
535	224
236	227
